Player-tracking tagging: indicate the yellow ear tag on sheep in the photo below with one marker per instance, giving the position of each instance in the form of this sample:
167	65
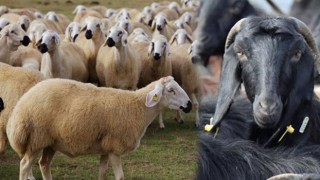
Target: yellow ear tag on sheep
155	97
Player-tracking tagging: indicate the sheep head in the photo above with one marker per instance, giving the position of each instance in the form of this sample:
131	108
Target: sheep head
274	58
180	37
125	24
48	42
168	93
35	31
92	26
110	13
159	22
78	9
146	16
15	35
117	36
159	47
72	31
51	15
24	22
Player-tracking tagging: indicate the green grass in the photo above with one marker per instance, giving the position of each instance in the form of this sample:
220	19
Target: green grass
168	153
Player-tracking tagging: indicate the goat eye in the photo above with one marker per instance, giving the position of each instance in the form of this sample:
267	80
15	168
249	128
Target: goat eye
296	57
241	56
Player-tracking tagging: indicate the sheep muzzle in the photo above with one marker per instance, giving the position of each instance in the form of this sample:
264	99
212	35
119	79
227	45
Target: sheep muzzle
43	48
25	41
159	28
110	42
88	34
157	56
188	108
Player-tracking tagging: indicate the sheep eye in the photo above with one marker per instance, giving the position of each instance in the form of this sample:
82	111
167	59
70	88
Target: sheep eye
98	25
12	32
119	33
241	56
171	90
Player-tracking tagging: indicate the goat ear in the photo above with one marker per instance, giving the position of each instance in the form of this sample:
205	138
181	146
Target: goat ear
173	38
124	37
151	48
229	84
154	96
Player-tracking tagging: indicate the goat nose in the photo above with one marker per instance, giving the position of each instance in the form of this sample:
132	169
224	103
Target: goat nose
157	56
188	108
110	42
25	41
159	28
88	34
268	106
43	48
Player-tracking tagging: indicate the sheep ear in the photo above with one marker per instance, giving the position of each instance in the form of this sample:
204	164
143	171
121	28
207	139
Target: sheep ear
151	48
84	27
124	37
189	38
39	42
190	49
229	84
154	96
167	49
57	39
153	25
173	38
56	19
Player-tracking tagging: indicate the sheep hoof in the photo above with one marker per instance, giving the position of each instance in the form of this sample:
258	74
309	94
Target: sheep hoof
31	178
161	126
179	120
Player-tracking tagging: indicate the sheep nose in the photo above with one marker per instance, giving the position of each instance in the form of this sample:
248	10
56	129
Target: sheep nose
188	108
25	41
110	42
268	105
43	48
88	34
157	56
159	28
75	37
23	26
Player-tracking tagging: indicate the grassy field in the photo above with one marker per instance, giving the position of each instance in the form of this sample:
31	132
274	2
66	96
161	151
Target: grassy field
168	153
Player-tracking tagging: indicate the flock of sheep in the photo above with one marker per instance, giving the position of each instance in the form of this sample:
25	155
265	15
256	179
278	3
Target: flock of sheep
135	52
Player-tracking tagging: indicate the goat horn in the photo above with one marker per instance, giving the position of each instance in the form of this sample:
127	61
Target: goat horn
305	31
232	33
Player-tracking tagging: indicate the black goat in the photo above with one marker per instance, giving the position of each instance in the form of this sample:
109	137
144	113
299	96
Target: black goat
216	19
274	59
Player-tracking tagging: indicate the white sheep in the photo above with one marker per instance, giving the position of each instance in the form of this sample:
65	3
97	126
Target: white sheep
26	57
79	118
82	13
61	19
145	16
129	26
160	26
186	74
90	39
22	20
155	62
61	60
118	64
15	81
138	32
11	37
180	37
72	31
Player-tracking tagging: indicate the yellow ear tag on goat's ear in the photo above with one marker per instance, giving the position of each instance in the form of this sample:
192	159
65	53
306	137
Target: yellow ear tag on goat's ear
208	127
155	97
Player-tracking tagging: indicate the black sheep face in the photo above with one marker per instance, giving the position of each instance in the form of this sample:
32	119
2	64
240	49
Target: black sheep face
271	57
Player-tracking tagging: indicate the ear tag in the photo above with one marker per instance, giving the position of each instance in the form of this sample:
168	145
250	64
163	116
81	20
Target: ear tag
304	124
155	97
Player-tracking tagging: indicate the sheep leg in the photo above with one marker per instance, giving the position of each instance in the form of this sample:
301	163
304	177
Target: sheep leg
103	166
30	175
26	165
45	162
178	117
196	107
115	162
161	121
